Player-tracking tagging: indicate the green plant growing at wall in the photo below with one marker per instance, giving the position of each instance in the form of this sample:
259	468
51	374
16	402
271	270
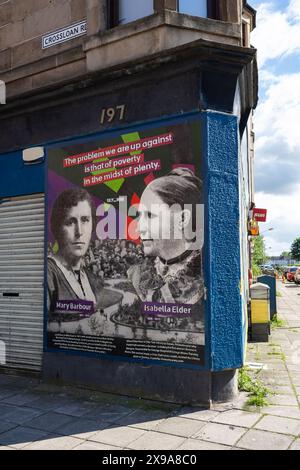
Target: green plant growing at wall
277	322
257	392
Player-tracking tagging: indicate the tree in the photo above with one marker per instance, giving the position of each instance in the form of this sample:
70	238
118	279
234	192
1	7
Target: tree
295	249
259	251
285	254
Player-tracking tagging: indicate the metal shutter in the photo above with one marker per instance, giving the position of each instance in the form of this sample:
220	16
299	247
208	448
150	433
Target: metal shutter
22	273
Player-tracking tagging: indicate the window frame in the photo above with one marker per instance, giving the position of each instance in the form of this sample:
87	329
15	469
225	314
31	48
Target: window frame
212	7
213	11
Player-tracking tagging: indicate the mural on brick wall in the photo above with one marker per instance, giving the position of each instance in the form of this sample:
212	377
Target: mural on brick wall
124	245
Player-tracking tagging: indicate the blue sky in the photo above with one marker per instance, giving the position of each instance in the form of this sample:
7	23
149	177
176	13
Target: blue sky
277	120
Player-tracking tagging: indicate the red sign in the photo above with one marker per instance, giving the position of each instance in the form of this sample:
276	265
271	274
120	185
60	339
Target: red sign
260	215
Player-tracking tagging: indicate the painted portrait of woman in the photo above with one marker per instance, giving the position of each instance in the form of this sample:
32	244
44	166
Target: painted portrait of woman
72	222
171	232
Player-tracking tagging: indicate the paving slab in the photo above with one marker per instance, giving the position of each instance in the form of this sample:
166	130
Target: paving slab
179	426
220	434
96	446
49	421
148	420
285	411
118	435
55	443
201	414
21	436
295	445
109	413
7	392
6	425
238	418
22	415
279	424
6	410
195	444
81	428
20	399
156	441
48	403
286	400
76	408
262	440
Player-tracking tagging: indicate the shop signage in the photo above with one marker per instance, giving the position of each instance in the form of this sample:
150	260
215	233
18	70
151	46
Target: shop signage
260	215
63	35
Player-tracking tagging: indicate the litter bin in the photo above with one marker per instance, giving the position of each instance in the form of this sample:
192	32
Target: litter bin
271	282
260	312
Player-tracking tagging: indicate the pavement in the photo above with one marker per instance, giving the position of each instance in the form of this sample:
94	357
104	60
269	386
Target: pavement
36	415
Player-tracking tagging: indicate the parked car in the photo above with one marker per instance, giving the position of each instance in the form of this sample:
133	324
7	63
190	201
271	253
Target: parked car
297	276
290	275
268	269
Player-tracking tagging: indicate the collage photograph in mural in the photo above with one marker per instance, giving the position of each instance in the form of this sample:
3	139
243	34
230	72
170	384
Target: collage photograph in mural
125	243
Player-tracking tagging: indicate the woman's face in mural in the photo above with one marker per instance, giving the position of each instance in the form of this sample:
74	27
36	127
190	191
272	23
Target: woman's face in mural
76	231
158	225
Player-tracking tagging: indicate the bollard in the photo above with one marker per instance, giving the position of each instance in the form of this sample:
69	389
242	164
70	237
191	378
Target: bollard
260	312
271	282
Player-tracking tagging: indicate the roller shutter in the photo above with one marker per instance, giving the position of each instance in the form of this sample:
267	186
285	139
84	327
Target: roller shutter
21	282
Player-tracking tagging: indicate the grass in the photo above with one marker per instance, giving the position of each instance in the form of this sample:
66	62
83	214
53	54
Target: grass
276	352
257	392
277	322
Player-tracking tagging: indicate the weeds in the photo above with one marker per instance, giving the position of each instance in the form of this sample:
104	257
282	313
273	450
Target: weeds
244	380
274	353
277	322
257	392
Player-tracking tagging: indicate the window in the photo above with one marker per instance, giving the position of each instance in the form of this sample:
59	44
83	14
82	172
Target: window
124	11
193	7
131	10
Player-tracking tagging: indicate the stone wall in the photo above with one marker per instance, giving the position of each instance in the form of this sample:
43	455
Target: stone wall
22	25
27	68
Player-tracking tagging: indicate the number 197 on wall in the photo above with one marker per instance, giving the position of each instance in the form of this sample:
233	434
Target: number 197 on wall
113	113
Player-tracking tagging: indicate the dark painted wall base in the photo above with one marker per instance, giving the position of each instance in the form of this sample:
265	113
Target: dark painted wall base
260	332
177	385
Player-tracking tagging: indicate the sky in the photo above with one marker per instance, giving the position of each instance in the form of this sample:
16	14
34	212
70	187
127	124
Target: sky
277	121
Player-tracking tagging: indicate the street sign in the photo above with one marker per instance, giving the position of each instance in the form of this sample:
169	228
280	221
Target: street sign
260	215
63	35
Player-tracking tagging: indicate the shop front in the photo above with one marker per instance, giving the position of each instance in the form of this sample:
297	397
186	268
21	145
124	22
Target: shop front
115	238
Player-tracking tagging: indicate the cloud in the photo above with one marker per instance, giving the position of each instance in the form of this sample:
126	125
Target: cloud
277	32
294	9
277	147
277	150
283	217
